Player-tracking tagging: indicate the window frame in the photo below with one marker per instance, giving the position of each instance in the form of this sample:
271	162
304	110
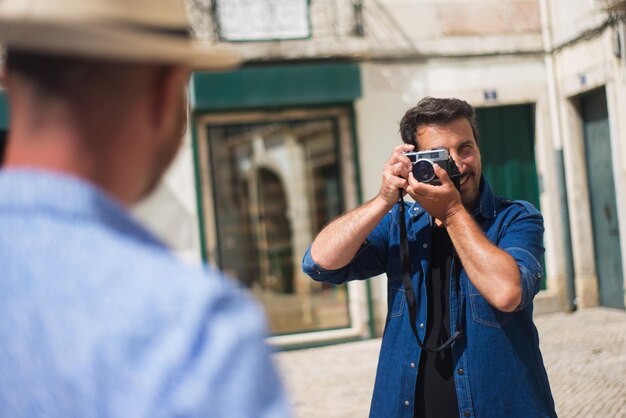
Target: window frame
358	296
222	38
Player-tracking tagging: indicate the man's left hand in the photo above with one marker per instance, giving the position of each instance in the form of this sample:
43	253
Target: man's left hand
441	201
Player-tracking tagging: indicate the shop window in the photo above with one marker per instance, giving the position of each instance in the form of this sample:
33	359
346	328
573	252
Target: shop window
269	187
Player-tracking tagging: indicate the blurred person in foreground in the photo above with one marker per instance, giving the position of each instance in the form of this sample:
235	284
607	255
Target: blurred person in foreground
97	317
473	271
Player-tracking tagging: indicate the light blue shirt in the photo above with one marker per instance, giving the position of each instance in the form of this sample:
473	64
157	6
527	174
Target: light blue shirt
97	318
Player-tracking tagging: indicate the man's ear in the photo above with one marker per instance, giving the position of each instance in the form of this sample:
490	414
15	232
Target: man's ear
167	84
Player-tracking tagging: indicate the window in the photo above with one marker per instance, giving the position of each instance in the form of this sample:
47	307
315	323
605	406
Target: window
271	183
261	20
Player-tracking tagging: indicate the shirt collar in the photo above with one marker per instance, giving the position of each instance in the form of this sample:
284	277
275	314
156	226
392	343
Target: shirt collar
486	206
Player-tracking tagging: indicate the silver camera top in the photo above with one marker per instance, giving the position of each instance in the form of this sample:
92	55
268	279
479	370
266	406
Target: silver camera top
431	155
424	164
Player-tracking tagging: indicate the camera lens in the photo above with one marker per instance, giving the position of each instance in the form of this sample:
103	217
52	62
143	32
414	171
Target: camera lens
423	171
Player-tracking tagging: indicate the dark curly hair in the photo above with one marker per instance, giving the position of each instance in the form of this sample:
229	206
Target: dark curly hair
431	110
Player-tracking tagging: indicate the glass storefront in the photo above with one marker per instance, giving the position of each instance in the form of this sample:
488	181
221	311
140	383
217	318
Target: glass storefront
274	184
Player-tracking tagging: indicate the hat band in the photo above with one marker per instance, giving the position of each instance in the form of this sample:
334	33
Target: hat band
181	32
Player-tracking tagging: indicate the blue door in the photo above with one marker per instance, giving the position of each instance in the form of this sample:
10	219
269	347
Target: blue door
606	238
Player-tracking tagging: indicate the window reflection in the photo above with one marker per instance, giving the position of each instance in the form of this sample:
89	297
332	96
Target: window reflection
275	186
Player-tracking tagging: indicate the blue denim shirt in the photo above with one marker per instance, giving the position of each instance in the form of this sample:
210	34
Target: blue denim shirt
498	368
98	319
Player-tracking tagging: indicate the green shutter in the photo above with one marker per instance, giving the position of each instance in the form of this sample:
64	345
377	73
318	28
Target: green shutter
507	147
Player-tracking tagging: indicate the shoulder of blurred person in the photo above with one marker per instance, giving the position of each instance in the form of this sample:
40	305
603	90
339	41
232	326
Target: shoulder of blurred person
97	315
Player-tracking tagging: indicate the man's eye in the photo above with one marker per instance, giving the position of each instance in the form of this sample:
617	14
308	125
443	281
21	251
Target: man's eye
465	149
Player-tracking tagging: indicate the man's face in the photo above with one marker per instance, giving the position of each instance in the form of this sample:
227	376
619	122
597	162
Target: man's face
457	137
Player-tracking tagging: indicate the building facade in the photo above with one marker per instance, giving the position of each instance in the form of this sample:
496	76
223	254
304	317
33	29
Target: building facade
300	133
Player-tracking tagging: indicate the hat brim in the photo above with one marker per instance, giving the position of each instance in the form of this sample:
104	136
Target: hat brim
93	40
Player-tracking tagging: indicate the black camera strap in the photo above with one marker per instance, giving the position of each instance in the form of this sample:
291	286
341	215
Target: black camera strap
409	292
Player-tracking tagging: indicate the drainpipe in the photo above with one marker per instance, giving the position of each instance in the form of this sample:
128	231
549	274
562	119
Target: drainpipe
555	117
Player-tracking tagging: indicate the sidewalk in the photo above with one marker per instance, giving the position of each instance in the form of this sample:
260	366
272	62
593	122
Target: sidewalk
584	353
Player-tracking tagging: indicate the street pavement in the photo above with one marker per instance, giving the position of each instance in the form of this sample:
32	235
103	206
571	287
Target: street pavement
584	353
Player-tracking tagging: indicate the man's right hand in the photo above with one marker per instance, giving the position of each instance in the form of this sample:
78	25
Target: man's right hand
396	174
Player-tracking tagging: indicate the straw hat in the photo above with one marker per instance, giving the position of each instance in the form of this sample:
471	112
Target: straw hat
125	30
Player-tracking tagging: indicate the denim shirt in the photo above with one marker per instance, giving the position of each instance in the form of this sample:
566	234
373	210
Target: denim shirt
498	368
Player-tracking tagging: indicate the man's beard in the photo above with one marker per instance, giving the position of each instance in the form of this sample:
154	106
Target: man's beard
470	196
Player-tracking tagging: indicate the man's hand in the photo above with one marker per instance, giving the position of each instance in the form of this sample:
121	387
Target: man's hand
492	271
442	202
396	174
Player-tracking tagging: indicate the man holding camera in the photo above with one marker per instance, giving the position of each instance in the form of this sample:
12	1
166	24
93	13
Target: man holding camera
463	266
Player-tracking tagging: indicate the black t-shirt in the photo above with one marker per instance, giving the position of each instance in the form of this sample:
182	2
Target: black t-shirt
435	395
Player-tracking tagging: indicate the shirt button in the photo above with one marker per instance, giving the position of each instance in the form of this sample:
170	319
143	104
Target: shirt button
460	371
407	403
422	325
467	414
425	245
412	365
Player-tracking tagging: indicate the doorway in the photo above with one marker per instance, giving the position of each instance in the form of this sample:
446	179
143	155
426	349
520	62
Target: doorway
601	185
507	146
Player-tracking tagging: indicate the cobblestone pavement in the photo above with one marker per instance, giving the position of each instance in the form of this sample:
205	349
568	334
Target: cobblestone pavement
584	353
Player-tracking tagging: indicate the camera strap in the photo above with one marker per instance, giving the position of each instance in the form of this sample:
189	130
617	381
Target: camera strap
409	292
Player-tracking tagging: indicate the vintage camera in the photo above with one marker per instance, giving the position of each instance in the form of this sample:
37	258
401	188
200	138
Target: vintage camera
424	166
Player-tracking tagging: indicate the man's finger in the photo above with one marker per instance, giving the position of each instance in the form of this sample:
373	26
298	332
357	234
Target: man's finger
418	188
404	148
400	150
402	170
442	175
398	155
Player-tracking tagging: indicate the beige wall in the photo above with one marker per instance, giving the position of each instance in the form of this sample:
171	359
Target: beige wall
399	28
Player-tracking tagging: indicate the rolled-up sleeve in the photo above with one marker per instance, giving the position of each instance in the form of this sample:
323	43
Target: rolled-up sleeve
523	240
370	260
